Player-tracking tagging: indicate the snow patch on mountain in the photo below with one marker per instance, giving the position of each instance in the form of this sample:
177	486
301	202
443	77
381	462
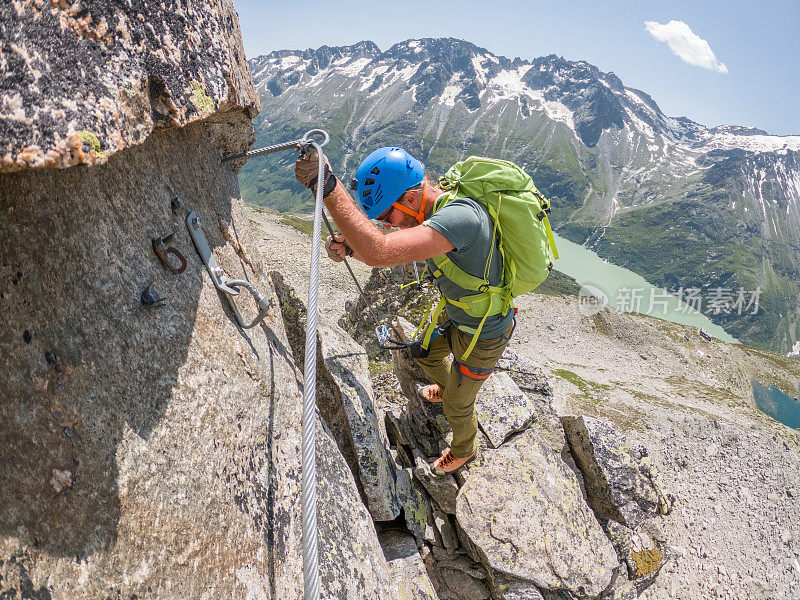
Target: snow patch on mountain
553	109
507	84
448	97
639	125
636	99
391	77
791	183
353	68
287	61
751	143
480	72
375	73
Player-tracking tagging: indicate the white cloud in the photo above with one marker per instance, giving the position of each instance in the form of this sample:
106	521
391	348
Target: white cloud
685	44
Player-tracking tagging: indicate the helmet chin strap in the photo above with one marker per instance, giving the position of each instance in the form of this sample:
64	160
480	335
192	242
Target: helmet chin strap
420	216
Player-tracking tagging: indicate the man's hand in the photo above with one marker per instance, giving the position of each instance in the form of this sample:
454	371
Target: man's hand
337	248
306	168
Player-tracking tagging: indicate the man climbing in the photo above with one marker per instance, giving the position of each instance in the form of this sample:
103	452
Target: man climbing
390	187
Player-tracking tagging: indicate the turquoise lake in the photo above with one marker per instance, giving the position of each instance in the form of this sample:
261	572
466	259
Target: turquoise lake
616	285
773	402
627	291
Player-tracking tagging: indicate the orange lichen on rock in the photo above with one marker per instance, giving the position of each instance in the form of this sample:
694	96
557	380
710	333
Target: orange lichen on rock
117	70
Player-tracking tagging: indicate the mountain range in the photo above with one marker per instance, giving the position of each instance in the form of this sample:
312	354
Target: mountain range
684	205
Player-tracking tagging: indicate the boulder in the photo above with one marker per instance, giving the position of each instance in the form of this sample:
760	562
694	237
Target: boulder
625	591
456	577
447	533
79	84
645	560
466	544
620	588
617	485
443	490
396	430
410	578
642	554
430	414
619	536
523	510
459	562
503	409
346	362
509	588
346	402
463	586
526	374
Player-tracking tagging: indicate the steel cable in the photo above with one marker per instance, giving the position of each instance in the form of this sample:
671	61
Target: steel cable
308	483
308	490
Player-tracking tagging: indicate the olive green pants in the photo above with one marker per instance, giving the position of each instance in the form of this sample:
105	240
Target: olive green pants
460	382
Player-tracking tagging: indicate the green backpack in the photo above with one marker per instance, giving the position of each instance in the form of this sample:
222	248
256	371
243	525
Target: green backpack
519	213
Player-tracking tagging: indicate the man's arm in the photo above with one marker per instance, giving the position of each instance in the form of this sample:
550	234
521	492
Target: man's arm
375	248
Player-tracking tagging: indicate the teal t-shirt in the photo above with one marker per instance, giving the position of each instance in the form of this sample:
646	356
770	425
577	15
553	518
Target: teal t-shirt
467	225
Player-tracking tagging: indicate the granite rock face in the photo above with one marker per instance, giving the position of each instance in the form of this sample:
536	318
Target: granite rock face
81	81
523	510
417	510
351	561
514	589
443	490
148	450
618	482
346	362
169	419
174	436
347	403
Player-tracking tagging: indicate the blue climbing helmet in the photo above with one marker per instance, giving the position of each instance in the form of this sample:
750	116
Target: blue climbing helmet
382	178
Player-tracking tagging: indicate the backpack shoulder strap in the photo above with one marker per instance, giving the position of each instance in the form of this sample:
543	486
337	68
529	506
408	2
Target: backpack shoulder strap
446	267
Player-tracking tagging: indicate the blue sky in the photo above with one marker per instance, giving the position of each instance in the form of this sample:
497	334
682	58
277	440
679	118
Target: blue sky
757	42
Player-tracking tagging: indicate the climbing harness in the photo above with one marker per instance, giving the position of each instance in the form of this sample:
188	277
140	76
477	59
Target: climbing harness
415	347
221	281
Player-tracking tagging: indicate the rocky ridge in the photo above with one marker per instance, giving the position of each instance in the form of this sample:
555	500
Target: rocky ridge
514	524
732	532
